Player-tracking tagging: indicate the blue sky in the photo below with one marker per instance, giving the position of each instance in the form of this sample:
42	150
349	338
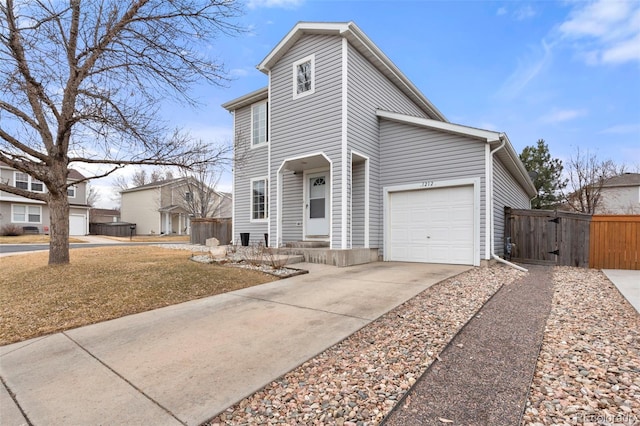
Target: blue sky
566	71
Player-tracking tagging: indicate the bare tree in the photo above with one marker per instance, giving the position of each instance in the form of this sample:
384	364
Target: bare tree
200	198
92	196
587	175
81	82
141	177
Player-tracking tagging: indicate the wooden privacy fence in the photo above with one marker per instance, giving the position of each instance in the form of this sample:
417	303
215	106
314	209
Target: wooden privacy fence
204	228
548	237
615	242
112	229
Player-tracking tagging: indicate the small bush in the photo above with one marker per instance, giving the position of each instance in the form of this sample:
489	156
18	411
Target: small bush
11	231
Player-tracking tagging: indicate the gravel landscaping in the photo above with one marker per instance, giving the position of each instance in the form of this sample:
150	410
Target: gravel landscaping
359	380
588	371
486	371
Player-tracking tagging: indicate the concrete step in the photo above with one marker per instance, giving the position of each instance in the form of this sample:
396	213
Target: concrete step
281	259
307	244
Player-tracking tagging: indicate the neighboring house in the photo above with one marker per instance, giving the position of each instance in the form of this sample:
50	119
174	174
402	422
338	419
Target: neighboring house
104	215
166	207
620	195
24	212
342	148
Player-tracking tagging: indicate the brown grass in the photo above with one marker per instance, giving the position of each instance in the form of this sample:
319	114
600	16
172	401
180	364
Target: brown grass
32	239
104	283
151	238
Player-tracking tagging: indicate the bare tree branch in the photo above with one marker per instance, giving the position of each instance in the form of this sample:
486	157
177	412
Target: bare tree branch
81	82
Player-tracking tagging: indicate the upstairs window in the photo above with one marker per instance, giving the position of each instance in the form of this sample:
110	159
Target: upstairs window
24	181
259	124
188	197
71	192
304	77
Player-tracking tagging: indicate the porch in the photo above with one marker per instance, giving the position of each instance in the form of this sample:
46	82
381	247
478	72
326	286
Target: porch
320	252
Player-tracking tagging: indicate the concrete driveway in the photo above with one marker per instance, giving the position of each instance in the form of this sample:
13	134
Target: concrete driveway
628	283
186	363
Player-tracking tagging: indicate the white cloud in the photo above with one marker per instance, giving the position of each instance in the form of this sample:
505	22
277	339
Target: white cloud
622	129
562	115
524	12
239	72
501	11
528	68
285	4
605	31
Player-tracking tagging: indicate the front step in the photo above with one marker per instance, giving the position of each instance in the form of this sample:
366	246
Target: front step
307	244
336	257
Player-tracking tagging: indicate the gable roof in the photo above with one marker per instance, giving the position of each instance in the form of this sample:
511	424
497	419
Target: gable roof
151	185
174	181
360	42
625	179
508	155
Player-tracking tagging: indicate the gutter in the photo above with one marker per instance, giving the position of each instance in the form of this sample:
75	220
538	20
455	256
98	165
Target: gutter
503	140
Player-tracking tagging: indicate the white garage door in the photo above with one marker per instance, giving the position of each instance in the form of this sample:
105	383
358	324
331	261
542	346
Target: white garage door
431	225
76	225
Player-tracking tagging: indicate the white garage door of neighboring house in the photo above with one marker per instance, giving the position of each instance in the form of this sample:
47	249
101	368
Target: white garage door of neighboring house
431	225
76	225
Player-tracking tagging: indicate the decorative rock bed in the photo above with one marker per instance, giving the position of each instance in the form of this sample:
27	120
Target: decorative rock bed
255	258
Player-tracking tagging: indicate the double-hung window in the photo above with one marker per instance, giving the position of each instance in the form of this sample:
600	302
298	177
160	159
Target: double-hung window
24	181
26	214
71	192
304	77
259	124
259	199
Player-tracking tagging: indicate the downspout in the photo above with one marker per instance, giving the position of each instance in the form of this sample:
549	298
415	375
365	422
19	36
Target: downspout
491	211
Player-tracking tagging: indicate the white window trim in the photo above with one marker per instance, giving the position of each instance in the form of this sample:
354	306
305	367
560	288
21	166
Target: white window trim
72	188
312	59
26	213
266	118
266	201
30	182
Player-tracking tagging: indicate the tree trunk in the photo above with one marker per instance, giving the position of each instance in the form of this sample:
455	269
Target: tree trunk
59	216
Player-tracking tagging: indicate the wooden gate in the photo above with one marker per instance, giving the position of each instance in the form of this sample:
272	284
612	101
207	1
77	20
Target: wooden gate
548	237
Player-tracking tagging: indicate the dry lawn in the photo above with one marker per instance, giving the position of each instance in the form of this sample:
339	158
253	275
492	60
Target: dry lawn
104	283
151	238
32	239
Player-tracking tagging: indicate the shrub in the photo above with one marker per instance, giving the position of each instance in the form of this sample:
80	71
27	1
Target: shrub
11	231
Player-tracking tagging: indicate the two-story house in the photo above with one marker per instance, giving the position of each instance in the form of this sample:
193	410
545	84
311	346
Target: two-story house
30	214
620	195
167	206
343	150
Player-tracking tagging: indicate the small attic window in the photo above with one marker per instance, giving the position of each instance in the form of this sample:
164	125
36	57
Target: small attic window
303	77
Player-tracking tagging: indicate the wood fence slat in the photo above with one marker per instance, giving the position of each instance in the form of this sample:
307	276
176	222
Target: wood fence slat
615	242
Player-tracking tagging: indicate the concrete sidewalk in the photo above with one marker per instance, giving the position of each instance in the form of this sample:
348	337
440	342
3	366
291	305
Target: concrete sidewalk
628	283
185	363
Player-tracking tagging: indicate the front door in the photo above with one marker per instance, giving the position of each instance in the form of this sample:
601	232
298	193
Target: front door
317	205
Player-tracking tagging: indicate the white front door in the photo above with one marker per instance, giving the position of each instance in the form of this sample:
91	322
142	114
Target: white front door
317	205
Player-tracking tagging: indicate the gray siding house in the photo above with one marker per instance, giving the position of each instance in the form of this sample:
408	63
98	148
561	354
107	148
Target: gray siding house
27	213
341	148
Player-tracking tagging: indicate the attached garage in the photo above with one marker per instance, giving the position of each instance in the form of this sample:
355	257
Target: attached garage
77	224
432	224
